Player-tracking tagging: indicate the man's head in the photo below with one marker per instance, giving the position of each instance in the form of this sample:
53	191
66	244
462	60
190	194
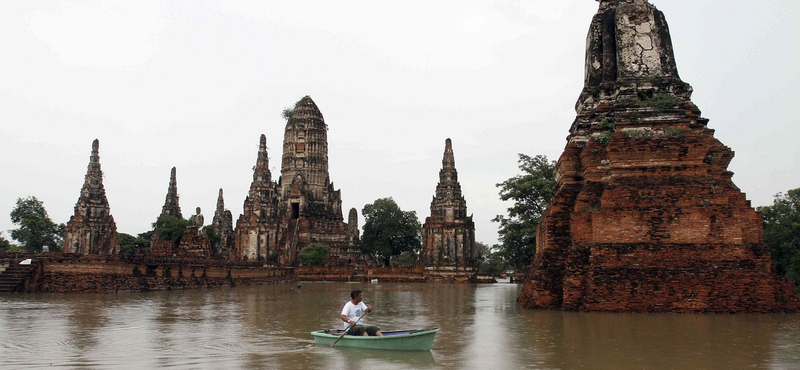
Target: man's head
356	295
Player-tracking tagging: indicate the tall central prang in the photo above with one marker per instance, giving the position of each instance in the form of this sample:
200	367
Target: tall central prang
280	219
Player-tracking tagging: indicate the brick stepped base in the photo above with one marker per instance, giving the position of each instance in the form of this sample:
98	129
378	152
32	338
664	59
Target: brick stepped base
12	279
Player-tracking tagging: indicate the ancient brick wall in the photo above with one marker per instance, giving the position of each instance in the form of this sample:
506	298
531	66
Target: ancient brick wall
99	275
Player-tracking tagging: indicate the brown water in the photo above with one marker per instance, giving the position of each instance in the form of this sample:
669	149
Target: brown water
268	327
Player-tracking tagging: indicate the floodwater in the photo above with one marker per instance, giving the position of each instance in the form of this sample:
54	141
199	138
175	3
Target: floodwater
268	327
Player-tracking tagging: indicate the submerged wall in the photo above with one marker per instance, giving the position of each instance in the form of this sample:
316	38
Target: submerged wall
99	274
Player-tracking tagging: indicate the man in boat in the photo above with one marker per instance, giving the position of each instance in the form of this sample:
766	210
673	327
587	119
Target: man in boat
354	309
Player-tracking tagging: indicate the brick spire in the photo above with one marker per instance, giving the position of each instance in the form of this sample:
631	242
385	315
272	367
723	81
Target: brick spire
262	175
171	204
92	230
448	235
223	225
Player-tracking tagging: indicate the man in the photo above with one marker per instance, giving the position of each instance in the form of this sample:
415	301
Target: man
352	310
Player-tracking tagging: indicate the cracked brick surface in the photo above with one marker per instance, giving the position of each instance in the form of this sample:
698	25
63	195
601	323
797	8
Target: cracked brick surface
645	216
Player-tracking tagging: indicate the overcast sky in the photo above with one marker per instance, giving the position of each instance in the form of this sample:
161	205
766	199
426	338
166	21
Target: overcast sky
193	84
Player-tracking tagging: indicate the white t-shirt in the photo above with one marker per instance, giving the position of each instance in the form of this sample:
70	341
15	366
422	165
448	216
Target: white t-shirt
353	312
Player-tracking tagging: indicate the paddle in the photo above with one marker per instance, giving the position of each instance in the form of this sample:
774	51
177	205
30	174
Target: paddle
348	329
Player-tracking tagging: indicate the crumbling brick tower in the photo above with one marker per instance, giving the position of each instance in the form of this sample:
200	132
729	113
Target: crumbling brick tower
645	215
92	230
257	230
448	235
310	209
171	207
223	226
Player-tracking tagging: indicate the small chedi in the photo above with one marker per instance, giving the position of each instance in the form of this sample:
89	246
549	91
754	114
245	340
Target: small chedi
194	243
171	203
448	235
91	230
280	219
171	207
645	215
223	226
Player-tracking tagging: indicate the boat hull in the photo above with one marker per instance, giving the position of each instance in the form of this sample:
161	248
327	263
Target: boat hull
404	340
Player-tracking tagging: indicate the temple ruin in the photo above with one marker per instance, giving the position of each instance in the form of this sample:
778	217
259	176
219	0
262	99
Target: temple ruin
646	217
256	234
194	242
91	230
280	219
223	226
448	235
171	203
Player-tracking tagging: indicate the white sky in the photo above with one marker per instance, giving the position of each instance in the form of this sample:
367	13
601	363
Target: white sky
193	84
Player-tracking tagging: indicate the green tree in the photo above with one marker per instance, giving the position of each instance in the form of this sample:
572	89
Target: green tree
405	259
213	238
389	231
7	246
314	255
130	245
491	262
169	227
532	191
36	230
782	233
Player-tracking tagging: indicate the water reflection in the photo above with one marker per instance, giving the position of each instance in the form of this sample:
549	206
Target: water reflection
268	327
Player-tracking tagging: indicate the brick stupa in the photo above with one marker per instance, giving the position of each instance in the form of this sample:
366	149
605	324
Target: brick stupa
448	235
223	226
646	217
92	230
256	232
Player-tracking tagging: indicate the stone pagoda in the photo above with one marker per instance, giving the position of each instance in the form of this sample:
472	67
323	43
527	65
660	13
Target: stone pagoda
448	235
223	226
311	209
91	230
645	216
257	230
171	203
172	208
280	219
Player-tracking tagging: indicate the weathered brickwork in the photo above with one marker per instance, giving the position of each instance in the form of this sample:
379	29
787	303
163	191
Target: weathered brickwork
448	235
194	243
92	230
223	226
280	219
257	229
109	275
172	202
645	216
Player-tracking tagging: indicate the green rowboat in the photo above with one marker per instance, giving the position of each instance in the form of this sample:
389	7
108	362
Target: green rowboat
404	340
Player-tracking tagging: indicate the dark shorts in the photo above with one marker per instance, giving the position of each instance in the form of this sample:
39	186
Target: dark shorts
359	330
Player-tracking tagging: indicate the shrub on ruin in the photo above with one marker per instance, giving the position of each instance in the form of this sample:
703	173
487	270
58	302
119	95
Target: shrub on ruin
314	255
171	228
